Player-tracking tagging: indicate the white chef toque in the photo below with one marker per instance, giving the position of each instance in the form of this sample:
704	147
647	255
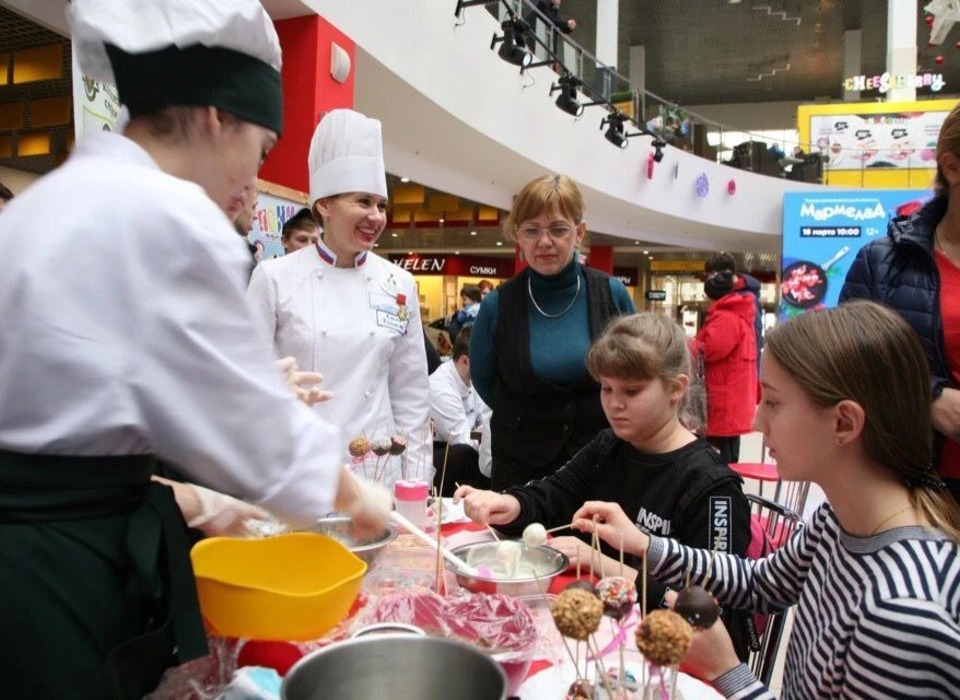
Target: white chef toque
220	53
346	155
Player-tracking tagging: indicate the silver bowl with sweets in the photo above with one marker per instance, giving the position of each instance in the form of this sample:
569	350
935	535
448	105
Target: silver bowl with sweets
509	567
338	527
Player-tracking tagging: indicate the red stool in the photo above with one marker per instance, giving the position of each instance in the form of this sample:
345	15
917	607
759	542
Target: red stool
792	494
761	471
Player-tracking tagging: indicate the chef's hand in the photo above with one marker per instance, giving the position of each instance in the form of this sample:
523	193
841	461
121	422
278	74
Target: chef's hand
612	525
945	413
711	654
487	507
367	504
303	384
214	514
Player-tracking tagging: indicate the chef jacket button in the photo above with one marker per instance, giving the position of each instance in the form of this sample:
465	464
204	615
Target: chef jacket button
367	393
323	331
372	333
369	278
319	275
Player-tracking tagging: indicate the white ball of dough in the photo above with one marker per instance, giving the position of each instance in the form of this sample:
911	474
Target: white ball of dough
534	535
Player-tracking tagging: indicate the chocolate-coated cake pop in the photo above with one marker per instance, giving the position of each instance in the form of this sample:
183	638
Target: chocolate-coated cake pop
696	605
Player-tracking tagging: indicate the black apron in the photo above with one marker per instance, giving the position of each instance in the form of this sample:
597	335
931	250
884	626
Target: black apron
97	595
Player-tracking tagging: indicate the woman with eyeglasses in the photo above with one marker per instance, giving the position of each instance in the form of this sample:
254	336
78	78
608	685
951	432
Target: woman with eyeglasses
532	334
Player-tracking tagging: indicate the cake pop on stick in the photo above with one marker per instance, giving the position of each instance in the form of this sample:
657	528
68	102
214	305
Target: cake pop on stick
534	535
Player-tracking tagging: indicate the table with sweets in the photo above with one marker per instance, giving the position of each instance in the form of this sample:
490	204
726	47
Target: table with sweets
408	568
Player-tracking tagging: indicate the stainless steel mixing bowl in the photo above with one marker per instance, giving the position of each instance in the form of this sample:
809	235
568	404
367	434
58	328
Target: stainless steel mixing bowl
338	527
500	556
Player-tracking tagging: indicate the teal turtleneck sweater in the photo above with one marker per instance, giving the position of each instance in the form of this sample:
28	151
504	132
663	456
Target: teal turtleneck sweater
558	346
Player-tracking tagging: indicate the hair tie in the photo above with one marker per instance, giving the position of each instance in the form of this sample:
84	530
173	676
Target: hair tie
925	480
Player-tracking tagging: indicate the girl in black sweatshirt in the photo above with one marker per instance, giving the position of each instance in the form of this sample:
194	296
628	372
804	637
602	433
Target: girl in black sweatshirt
671	482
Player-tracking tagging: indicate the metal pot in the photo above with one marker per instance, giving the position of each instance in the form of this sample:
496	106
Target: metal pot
396	666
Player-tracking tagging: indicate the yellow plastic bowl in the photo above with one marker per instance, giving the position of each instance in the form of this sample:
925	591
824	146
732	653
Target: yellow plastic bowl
292	587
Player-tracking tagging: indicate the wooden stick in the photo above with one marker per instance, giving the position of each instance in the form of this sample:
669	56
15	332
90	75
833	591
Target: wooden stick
558	528
566	645
598	660
493	532
621	554
643	583
443	475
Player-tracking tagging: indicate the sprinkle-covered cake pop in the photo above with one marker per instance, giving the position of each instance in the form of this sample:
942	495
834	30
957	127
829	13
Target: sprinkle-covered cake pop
534	535
664	637
618	595
696	605
577	614
358	447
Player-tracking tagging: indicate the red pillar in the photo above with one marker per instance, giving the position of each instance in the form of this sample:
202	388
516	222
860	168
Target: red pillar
309	91
601	258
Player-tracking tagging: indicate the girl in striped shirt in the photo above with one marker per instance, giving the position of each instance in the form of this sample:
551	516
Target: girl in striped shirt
875	573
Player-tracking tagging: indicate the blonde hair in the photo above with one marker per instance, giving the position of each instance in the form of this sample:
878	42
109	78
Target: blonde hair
947	142
866	353
548	193
646	346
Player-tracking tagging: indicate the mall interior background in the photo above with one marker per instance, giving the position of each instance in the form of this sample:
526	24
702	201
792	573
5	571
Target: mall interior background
736	73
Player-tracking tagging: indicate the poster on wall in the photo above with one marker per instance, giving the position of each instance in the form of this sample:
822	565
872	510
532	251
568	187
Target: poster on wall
96	105
895	140
271	213
822	232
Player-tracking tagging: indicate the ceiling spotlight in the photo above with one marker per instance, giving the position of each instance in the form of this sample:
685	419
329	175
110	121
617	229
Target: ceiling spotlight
567	99
615	129
646	252
499	242
473	233
658	146
394	234
404	179
512	49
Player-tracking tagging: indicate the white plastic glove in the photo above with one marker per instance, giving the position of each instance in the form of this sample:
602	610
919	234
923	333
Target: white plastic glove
303	384
224	516
366	503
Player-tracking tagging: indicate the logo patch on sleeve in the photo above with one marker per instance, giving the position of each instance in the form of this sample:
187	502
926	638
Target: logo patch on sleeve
720	507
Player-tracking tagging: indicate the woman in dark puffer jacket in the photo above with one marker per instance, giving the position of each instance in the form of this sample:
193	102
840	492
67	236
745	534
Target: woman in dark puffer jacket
916	271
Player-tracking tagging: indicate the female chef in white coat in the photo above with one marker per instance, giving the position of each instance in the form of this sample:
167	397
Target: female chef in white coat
347	313
126	336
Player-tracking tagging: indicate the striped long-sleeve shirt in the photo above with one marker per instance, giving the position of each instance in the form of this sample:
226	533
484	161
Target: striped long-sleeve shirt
877	617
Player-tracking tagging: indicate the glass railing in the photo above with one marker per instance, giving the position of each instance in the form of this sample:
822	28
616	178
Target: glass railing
821	162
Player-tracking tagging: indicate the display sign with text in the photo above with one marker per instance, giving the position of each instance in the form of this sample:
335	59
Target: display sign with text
457	265
822	233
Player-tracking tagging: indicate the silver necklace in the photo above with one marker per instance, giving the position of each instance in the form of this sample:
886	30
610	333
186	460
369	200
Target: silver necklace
544	313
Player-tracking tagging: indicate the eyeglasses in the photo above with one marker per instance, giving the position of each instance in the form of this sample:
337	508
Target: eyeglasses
555	231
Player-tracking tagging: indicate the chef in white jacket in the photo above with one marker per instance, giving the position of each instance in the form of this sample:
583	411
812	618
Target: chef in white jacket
347	313
126	336
457	413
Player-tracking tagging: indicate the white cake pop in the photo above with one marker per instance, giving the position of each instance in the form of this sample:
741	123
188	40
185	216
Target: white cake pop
534	535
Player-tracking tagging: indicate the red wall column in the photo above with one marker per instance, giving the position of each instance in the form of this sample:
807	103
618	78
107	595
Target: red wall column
309	91
601	258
